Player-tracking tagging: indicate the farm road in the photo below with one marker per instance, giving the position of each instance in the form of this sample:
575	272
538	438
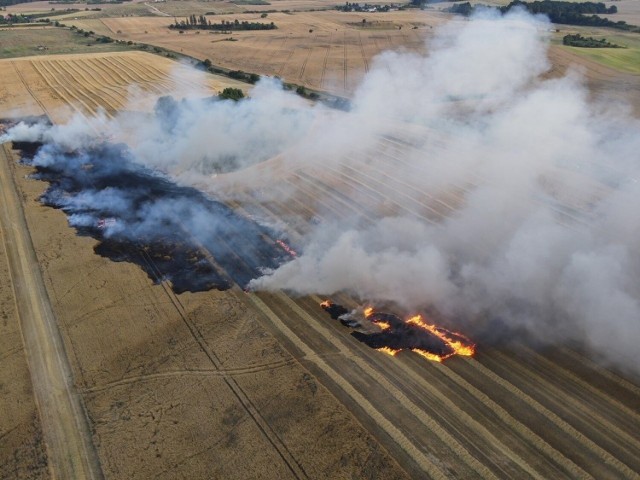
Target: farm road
65	429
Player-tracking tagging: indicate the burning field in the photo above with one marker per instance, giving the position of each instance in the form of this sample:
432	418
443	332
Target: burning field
395	334
471	192
173	232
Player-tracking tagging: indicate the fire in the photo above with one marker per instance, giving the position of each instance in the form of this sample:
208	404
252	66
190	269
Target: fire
395	334
430	356
287	248
458	346
389	351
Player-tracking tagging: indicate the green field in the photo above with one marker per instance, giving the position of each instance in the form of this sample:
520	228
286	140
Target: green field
26	41
622	59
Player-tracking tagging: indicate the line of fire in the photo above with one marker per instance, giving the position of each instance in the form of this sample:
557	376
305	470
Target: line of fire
392	334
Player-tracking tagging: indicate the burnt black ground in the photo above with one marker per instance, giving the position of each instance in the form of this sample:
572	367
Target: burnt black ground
398	336
140	216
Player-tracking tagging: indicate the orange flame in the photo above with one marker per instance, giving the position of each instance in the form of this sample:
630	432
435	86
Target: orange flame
368	311
458	347
430	356
389	351
326	304
383	325
287	248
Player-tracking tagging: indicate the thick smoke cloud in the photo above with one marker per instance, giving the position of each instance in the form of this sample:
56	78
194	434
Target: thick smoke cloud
543	238
546	241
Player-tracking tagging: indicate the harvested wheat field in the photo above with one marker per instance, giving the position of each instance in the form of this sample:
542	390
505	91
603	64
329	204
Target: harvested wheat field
61	85
205	348
322	50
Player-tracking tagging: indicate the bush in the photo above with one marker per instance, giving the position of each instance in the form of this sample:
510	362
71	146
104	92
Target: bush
231	93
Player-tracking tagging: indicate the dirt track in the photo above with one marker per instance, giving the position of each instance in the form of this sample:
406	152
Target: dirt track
66	432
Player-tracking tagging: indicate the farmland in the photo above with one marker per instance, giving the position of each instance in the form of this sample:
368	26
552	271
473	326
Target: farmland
332	51
320	50
264	384
61	85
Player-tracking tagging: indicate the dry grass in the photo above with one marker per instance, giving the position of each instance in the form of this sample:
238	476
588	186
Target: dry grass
62	84
321	50
39	40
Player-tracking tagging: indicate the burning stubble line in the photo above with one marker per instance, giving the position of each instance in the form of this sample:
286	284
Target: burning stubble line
418	456
426	420
605	456
486	434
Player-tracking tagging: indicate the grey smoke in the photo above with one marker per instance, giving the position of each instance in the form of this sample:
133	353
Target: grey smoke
545	238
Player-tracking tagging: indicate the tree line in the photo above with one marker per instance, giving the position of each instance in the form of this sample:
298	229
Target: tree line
577	40
201	23
561	12
7	3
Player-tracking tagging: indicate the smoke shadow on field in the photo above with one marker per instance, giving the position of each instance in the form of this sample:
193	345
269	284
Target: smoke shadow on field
172	232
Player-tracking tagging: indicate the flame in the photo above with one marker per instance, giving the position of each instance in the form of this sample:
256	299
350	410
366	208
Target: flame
458	347
389	351
287	248
430	356
455	343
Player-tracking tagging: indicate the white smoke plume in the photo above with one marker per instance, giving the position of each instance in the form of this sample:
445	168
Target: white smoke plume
544	240
513	251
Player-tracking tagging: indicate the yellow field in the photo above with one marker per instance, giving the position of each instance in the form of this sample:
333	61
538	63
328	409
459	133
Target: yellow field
263	385
321	50
62	84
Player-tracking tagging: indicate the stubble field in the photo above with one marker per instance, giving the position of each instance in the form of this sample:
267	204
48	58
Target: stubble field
61	85
264	385
321	50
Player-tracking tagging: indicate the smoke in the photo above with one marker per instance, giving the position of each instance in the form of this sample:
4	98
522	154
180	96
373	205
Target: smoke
530	187
544	239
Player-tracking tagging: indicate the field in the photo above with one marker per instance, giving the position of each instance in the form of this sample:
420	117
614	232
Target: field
25	41
236	385
320	50
331	51
625	60
63	84
150	365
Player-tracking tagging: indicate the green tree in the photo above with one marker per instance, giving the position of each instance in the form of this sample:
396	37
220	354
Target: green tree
231	93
